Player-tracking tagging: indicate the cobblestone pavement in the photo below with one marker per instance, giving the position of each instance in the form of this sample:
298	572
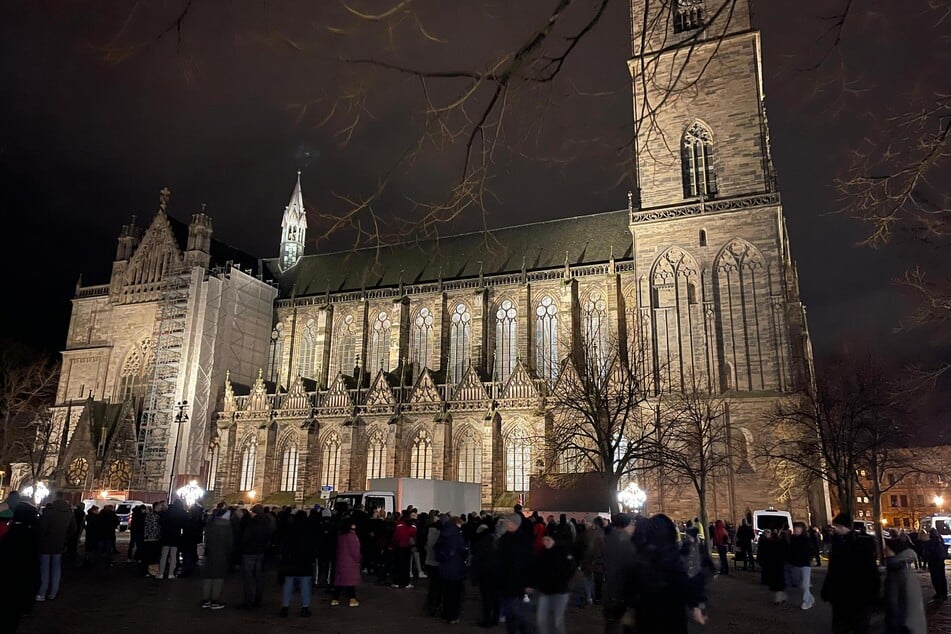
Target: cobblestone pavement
118	600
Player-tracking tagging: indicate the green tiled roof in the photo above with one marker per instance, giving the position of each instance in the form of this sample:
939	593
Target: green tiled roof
586	240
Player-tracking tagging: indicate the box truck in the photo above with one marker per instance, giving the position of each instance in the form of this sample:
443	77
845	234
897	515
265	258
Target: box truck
396	494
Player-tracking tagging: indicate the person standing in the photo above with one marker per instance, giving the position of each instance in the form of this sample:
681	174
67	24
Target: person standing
434	589
254	541
904	607
484	564
514	567
404	538
721	541
79	520
172	520
554	568
451	554
93	535
108	525
800	558
298	556
772	561
136	533
151	540
20	563
936	554
219	541
744	542
194	521
618	568
347	565
592	560
55	528
852	581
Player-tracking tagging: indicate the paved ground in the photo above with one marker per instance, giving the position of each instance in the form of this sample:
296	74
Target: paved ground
117	599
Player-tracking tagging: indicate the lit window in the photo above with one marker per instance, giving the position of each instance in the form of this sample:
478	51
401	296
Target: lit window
376	455
422	338
308	349
421	459
460	329
212	468
506	340
518	460
330	461
594	325
470	457
380	343
274	357
346	346
289	464
248	459
546	338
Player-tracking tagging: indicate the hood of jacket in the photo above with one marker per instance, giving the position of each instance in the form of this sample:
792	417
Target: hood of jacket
907	556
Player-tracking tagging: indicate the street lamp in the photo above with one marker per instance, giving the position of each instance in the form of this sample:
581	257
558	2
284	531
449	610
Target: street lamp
938	501
252	494
180	417
190	493
38	492
632	497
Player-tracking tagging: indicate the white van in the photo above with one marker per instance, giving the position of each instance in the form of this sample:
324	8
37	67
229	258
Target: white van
770	519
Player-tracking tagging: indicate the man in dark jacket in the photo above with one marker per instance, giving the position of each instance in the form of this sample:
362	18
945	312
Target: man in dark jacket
744	542
514	569
554	568
852	583
173	520
936	553
218	545
450	550
800	558
484	564
20	563
55	527
298	554
618	568
79	520
254	542
108	525
191	537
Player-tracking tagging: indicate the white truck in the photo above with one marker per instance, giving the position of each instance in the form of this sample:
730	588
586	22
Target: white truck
396	494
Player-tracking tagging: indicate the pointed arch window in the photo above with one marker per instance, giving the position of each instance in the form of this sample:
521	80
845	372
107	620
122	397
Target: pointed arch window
688	15
421	456
469	453
595	330
130	382
422	340
308	350
212	468
120	475
698	162
330	461
546	338
346	346
275	354
376	455
506	340
460	330
380	343
248	460
77	472
289	468
518	461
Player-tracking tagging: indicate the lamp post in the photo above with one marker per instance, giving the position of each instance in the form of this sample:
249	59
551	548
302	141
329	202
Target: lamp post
180	417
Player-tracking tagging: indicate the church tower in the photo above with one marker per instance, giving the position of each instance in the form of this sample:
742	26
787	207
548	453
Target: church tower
293	229
716	296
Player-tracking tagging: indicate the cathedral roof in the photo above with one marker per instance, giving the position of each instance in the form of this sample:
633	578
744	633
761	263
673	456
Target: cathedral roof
586	239
219	251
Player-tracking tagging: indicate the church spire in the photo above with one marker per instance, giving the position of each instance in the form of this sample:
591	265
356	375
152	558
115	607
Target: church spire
293	228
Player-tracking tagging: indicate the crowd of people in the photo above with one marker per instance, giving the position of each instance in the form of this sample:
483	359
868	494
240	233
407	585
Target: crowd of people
647	574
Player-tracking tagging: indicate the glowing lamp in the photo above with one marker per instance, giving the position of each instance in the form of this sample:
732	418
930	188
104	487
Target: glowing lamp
103	494
252	494
190	493
632	497
938	501
39	492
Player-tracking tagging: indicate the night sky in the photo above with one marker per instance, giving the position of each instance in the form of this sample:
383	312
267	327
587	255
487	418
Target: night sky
213	112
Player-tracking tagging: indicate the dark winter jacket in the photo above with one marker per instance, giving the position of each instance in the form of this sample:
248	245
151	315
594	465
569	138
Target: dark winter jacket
254	536
800	551
772	554
618	566
744	537
554	568
661	591
484	556
219	542
299	551
450	551
904	607
173	520
935	551
20	562
852	579
56	525
514	564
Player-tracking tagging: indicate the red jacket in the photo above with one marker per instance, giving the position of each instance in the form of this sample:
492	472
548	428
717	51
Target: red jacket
404	536
539	529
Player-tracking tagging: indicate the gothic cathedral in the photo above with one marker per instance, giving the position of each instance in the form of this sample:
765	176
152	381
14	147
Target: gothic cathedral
304	373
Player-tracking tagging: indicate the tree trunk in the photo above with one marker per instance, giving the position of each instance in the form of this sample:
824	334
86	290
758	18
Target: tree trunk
877	518
704	521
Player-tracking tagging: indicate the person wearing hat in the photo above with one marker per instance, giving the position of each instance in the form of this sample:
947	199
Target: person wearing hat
852	582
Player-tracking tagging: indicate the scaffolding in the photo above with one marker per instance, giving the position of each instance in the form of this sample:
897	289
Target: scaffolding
155	428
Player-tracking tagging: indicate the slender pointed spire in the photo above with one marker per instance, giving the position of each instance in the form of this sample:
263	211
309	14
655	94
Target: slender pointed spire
293	228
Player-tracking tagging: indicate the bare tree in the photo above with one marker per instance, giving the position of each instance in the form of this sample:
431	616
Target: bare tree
601	418
828	431
697	442
27	387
